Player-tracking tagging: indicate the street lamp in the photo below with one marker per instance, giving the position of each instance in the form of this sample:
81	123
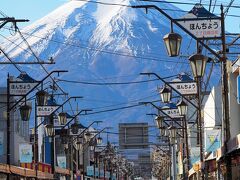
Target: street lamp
172	43
25	112
159	121
172	133
62	117
99	140
79	145
182	107
88	136
64	139
165	94
91	147
163	132
198	64
74	128
49	129
41	97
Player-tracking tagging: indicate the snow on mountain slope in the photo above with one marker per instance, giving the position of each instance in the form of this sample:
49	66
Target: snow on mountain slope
94	42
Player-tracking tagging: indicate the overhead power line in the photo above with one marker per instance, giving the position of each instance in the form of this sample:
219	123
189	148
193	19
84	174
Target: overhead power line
158	59
107	83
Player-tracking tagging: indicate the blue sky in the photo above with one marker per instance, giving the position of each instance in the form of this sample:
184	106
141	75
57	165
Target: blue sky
29	9
35	9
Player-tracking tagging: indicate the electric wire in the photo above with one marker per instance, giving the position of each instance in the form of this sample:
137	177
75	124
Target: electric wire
6	55
107	83
157	59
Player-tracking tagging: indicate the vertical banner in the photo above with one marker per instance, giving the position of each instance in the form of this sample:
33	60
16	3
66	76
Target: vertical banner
107	174
25	153
1	143
96	172
61	162
101	173
180	162
195	154
114	177
90	171
212	140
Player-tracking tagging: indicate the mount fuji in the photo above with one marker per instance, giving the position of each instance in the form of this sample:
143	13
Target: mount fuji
101	44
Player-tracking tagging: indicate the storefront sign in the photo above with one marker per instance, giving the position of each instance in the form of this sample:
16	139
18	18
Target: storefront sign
173	113
61	161
185	88
25	153
45	110
21	88
212	140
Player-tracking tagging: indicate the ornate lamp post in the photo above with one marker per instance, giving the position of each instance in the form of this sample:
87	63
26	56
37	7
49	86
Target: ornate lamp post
75	127
198	64
172	134
87	136
172	43
99	140
41	97
62	117
49	130
25	112
166	94
182	107
159	121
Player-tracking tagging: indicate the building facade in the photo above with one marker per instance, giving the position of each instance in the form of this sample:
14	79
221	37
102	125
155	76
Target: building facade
134	146
19	131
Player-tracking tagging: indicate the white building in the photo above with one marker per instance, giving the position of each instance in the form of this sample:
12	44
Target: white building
19	131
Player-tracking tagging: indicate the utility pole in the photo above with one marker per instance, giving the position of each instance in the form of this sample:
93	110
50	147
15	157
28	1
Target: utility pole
225	101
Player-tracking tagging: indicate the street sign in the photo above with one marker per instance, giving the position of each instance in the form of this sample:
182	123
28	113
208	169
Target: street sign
201	23
45	110
78	133
173	113
185	88
238	89
21	88
203	28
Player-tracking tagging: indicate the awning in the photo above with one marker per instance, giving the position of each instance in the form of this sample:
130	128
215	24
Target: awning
232	145
24	172
62	170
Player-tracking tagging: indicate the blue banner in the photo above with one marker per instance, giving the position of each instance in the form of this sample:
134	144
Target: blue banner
25	153
61	162
195	154
212	140
96	172
90	171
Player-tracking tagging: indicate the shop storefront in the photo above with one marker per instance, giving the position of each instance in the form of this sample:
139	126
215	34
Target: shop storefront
233	147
